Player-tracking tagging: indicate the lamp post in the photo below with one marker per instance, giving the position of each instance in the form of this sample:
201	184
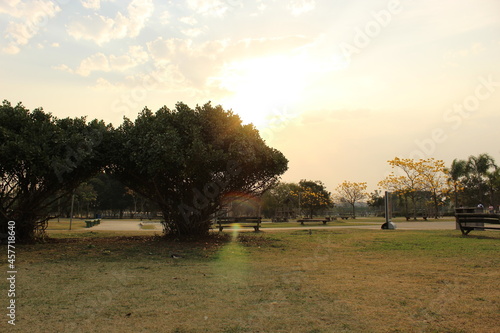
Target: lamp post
71	212
388	212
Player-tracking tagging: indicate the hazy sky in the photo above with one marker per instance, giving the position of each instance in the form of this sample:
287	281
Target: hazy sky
340	87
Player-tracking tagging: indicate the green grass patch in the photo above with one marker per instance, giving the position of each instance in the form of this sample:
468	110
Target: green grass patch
64	224
337	280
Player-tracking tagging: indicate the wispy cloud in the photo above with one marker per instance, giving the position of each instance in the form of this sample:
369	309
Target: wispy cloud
102	29
209	7
299	7
26	20
91	4
100	62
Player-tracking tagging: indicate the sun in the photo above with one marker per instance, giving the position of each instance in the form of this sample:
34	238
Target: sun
261	88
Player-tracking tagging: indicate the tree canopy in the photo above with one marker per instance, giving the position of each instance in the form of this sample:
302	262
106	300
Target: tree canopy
351	192
476	180
42	159
418	180
313	196
189	160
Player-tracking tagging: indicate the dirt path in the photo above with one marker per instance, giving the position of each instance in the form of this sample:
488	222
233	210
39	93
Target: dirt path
134	225
126	225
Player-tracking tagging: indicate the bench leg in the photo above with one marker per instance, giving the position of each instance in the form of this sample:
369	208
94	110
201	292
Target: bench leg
221	228
256	228
465	231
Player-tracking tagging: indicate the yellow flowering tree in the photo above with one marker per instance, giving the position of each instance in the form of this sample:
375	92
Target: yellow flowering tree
312	196
416	179
350	193
435	180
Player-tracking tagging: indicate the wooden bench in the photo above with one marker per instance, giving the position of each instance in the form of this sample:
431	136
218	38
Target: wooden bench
469	219
91	223
346	216
244	221
423	216
301	221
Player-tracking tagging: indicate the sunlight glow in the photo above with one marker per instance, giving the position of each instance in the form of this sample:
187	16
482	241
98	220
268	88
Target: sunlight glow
262	87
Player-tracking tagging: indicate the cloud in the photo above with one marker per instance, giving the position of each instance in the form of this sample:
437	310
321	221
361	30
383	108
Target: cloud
192	33
177	50
299	7
102	29
11	7
209	7
11	49
26	20
165	17
105	85
262	6
91	4
188	20
96	62
200	62
99	62
159	77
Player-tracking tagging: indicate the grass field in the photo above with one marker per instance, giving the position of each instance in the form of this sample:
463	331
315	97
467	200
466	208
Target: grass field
340	280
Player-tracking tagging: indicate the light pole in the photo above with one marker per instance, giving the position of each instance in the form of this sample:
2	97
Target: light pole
388	212
71	212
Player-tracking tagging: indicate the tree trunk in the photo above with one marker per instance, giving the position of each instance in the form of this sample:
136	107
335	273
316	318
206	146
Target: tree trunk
414	203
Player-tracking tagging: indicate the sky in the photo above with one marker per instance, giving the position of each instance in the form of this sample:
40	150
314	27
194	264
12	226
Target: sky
340	87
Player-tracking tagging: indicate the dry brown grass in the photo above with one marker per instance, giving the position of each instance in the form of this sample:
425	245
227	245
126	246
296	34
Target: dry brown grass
291	281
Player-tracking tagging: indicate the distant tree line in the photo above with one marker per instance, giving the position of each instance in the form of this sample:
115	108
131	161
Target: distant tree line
420	188
426	187
186	161
104	196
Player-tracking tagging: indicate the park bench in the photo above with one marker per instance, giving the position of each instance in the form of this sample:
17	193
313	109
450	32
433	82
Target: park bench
469	219
346	216
244	221
422	215
301	221
91	223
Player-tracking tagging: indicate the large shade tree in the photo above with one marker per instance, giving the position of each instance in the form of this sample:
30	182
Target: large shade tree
43	158
189	160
